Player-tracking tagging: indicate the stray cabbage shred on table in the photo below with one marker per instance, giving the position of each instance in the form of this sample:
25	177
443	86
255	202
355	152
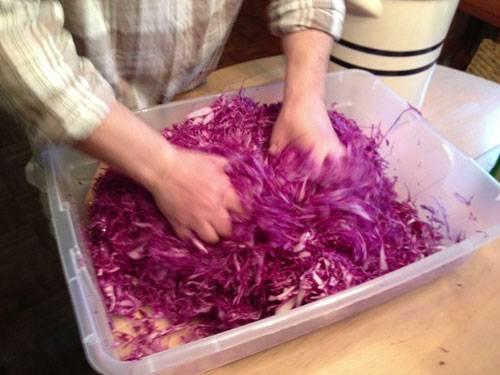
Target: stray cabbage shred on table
303	236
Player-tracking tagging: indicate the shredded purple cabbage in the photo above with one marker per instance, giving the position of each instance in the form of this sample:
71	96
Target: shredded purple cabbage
462	199
304	236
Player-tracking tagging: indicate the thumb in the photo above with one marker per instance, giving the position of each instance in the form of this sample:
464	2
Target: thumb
273	149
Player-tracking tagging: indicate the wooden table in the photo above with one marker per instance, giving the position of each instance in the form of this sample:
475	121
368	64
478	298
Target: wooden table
486	10
448	326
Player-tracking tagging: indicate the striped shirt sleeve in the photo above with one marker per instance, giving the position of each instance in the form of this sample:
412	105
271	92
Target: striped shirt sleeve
42	78
286	16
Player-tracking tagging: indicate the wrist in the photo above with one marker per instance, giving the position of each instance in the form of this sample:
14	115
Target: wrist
127	144
302	94
307	54
153	173
302	102
305	97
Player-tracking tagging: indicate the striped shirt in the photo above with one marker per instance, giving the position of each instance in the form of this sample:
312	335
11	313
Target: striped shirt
63	62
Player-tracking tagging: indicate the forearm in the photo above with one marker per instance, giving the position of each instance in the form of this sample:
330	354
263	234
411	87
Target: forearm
195	196
307	55
126	143
303	119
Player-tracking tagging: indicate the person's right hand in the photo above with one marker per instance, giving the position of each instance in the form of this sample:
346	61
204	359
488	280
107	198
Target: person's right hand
195	194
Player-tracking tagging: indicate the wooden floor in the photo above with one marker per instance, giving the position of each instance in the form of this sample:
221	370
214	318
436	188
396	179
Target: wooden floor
38	332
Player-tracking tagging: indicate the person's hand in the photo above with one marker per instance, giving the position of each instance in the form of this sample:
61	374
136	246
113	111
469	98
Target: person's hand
303	119
190	188
305	123
195	195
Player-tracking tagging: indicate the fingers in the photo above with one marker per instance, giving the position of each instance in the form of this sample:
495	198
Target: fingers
340	151
182	231
219	161
206	232
219	223
222	223
232	202
274	149
221	220
203	229
335	151
202	206
230	199
279	139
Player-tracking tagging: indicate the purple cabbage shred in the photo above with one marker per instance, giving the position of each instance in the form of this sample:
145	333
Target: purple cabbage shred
303	237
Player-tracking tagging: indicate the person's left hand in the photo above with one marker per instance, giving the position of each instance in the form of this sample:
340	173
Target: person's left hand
304	122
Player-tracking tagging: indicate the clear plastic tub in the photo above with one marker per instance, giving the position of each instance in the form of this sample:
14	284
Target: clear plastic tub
428	166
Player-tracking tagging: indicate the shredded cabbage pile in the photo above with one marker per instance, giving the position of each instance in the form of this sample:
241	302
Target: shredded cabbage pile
303	236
